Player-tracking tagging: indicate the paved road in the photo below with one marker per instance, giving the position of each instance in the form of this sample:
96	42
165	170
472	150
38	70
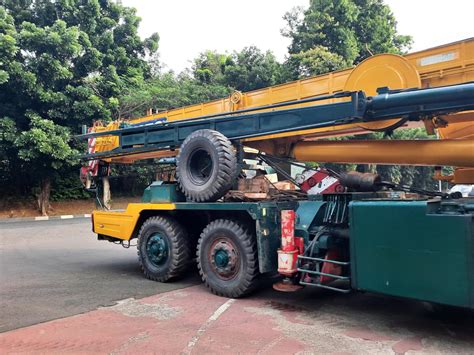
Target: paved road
53	269
193	321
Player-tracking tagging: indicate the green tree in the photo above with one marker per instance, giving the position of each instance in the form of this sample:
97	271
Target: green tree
44	148
246	70
209	67
63	63
316	61
335	34
250	69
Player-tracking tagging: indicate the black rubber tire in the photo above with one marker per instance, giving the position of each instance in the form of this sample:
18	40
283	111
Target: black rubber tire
245	279
217	150
179	248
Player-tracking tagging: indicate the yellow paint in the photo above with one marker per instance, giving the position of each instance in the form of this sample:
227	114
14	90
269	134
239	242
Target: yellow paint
445	65
456	152
460	176
459	126
389	70
463	176
121	224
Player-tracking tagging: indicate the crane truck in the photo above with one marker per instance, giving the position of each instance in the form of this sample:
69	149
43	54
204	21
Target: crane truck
338	231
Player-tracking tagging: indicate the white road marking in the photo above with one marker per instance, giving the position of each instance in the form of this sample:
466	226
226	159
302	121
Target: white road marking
67	216
42	218
218	312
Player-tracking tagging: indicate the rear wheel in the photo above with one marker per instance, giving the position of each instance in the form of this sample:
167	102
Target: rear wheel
164	249
206	166
227	258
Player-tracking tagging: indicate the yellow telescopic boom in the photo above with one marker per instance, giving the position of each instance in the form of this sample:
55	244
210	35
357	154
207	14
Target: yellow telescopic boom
445	65
449	64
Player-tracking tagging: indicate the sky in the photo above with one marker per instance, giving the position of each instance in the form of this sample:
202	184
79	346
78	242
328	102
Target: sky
189	27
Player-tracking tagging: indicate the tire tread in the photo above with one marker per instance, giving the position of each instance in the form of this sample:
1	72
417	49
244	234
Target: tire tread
228	167
249	280
180	248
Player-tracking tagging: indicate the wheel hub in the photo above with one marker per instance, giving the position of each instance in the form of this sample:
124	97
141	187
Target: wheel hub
221	258
157	249
224	259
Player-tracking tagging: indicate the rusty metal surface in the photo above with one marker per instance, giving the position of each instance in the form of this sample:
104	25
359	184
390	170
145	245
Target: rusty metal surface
283	286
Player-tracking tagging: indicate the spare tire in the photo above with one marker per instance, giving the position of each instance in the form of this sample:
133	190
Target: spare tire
206	166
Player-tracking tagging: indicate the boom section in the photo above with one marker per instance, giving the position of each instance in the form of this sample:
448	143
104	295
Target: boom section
412	104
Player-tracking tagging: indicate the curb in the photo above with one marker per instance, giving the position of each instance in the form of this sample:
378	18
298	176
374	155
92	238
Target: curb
44	218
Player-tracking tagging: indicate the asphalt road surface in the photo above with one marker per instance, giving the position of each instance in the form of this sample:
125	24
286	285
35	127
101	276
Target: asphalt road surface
53	269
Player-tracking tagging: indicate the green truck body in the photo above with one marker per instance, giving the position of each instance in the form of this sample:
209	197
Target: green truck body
420	249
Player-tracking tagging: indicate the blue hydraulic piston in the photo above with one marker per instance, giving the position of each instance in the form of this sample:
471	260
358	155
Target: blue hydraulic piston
419	101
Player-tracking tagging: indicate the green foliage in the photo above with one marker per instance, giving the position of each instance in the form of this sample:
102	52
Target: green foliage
63	63
8	133
318	60
335	34
67	186
131	180
251	69
45	146
246	70
209	67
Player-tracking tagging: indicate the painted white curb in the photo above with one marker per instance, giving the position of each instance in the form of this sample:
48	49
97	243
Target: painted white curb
44	218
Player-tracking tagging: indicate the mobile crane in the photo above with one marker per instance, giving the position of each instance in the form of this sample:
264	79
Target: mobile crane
361	235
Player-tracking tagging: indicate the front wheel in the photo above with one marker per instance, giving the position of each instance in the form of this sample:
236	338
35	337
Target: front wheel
164	249
227	258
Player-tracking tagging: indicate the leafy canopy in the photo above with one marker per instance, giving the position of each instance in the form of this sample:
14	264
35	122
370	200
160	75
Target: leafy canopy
334	34
63	63
246	70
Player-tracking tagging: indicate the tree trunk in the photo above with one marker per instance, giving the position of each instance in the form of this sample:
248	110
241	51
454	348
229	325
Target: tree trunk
43	196
106	193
